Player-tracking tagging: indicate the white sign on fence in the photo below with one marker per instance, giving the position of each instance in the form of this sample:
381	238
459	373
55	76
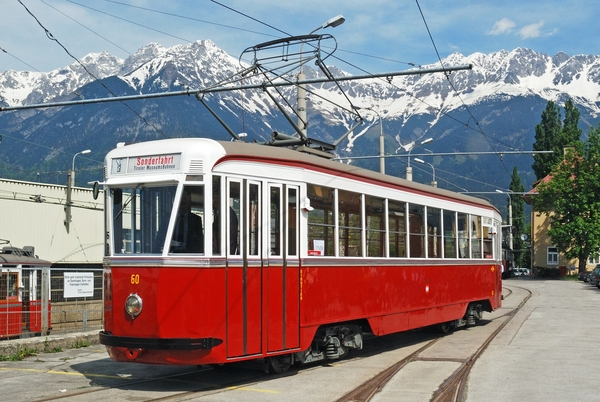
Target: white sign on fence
78	284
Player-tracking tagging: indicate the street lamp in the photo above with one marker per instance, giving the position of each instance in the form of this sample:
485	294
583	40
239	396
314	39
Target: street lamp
409	148
302	122
87	151
433	182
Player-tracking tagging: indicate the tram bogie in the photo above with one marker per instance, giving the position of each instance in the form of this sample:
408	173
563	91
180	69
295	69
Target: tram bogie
292	256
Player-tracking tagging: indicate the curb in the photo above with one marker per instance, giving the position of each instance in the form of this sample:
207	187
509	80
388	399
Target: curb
48	343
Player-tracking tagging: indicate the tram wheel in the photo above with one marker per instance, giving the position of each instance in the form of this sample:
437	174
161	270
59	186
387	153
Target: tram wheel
446	327
279	364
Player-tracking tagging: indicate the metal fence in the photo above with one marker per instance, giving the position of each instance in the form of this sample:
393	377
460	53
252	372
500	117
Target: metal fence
74	294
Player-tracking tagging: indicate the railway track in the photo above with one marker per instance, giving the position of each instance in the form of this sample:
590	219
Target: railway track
451	390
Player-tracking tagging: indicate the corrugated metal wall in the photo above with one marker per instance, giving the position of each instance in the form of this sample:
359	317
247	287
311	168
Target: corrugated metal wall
33	214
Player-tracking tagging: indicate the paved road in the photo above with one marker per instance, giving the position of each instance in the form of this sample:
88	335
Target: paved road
548	352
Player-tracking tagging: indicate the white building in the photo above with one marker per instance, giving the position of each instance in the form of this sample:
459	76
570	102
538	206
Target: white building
34	214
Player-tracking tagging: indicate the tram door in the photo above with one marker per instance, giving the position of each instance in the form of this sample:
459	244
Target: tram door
244	264
282	274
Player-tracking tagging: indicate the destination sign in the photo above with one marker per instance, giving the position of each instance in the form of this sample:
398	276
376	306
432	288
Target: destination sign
146	164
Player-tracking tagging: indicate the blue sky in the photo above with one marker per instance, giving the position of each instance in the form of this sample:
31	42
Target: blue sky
377	36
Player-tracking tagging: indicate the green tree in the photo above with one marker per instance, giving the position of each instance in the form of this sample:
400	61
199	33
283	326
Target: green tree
553	135
571	198
518	217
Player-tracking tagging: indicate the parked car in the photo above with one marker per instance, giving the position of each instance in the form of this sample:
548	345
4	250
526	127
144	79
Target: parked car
521	271
595	276
583	276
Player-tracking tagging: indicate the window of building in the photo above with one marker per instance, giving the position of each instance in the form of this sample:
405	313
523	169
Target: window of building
552	256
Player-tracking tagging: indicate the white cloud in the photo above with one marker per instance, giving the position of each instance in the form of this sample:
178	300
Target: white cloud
503	26
531	30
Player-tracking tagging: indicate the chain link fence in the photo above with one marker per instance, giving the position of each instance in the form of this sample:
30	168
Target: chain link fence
75	301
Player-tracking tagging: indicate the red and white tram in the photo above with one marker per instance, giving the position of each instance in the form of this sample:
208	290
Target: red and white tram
225	251
21	292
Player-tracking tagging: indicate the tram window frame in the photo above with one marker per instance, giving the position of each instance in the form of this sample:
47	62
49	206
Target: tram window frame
488	237
450	238
321	220
275	220
254	219
462	235
234	217
476	236
416	223
9	289
293	219
375	225
350	223
139	218
217	216
434	233
189	223
397	243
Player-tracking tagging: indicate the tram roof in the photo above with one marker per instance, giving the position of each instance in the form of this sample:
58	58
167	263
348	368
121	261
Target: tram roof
222	151
15	256
287	156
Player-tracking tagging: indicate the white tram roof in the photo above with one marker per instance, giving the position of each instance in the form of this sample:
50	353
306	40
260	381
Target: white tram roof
196	156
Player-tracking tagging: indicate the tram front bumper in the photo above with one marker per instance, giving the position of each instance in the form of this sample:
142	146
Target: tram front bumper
108	339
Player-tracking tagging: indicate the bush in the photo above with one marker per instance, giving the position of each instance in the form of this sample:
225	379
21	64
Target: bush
547	273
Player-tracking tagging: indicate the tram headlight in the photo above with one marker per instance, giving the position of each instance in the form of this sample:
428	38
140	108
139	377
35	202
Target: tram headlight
133	305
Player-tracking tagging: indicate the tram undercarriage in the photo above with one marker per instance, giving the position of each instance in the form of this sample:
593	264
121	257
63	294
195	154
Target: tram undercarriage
333	343
330	343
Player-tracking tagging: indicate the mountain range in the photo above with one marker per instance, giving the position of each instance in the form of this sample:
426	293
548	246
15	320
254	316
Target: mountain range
482	115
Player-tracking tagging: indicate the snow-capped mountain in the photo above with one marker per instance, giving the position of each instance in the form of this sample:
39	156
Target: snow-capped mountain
492	107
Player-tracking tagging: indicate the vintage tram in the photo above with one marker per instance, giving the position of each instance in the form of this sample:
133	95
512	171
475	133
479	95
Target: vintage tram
21	293
225	251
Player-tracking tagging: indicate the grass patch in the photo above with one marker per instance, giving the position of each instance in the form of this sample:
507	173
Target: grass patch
48	349
19	355
81	343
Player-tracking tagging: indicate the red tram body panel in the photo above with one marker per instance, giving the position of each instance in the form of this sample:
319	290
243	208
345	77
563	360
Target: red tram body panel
298	256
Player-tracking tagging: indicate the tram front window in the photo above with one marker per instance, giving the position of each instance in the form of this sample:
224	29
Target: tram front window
140	218
188	232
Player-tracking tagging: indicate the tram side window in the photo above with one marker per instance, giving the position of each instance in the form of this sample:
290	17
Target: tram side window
234	217
216	225
140	218
8	285
188	233
449	234
350	223
321	222
375	216
434	232
292	221
254	217
397	228
463	235
476	236
416	218
488	242
275	221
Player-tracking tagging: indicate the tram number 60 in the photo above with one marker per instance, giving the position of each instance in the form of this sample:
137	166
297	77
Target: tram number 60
135	279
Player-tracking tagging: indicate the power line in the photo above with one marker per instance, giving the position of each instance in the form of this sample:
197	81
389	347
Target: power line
52	38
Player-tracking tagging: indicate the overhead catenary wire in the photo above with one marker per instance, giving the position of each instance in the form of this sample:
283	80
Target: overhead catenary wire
52	38
454	88
442	112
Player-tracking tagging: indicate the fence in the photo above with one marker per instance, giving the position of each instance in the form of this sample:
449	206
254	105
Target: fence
75	301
